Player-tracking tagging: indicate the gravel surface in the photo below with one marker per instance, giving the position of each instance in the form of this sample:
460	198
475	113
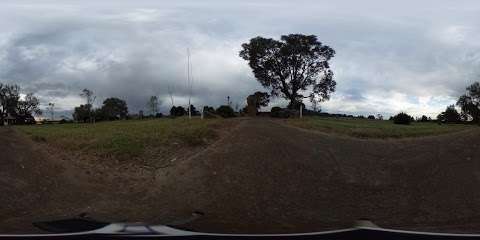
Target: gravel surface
260	177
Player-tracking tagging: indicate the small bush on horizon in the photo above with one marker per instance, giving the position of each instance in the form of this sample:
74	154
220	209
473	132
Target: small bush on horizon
402	118
225	111
278	112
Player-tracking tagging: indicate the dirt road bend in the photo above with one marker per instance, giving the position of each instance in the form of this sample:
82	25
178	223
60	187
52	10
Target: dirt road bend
261	177
268	177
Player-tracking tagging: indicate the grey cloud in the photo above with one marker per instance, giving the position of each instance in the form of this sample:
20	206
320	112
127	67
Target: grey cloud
135	49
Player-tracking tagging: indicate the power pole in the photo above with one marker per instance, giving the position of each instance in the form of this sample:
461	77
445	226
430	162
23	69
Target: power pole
301	109
170	92
189	85
51	107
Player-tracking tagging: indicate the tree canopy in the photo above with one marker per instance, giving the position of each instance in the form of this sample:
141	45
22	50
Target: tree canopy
90	99
469	103
11	104
9	96
152	105
114	109
29	105
177	111
82	113
261	99
291	67
450	115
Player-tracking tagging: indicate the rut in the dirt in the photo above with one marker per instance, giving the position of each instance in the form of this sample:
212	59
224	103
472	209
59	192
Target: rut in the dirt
262	177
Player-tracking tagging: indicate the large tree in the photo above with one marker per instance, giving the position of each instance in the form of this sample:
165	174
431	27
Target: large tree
28	106
9	97
469	103
82	113
114	108
294	66
450	115
177	111
89	100
152	105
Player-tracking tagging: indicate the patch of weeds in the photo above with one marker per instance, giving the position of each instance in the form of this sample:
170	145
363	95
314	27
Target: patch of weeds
39	138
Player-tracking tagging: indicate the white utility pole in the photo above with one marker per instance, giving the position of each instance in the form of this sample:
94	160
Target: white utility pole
170	92
51	110
189	85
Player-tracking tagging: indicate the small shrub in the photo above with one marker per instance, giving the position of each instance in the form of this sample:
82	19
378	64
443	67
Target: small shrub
177	111
450	115
38	138
402	118
275	110
225	111
278	112
209	112
371	117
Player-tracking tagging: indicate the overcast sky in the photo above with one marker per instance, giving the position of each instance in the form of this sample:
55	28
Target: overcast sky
414	56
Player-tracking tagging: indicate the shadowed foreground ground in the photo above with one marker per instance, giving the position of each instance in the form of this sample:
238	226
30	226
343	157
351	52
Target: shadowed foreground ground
262	177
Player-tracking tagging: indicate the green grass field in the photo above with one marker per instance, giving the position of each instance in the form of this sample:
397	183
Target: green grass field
126	139
365	128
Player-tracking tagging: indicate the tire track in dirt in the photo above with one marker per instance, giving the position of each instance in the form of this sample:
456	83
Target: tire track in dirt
260	176
271	178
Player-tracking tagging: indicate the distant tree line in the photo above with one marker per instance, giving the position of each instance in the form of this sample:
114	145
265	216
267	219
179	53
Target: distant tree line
469	104
112	109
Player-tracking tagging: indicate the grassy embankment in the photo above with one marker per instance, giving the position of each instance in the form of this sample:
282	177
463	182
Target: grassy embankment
127	139
366	128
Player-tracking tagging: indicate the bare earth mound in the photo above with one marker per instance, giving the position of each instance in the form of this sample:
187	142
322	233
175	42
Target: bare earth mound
261	177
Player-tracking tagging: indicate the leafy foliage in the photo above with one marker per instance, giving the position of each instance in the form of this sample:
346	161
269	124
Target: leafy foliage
469	103
9	96
402	118
193	110
424	119
278	112
225	111
114	109
90	99
82	113
29	105
295	63
260	99
152	105
450	115
177	111
209	112
21	109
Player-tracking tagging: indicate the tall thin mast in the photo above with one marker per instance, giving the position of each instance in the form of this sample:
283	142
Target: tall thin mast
170	92
189	85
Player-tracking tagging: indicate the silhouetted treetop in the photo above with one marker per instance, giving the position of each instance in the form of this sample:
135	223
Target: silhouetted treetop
294	64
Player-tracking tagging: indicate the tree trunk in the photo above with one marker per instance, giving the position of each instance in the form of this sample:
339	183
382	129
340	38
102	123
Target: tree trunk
294	103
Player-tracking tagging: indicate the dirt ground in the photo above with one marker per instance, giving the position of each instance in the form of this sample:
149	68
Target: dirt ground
260	177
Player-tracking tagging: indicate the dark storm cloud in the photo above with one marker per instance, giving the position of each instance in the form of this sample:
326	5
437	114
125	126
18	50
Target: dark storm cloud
413	56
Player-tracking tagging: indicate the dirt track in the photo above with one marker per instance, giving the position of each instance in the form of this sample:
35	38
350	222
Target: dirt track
262	177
